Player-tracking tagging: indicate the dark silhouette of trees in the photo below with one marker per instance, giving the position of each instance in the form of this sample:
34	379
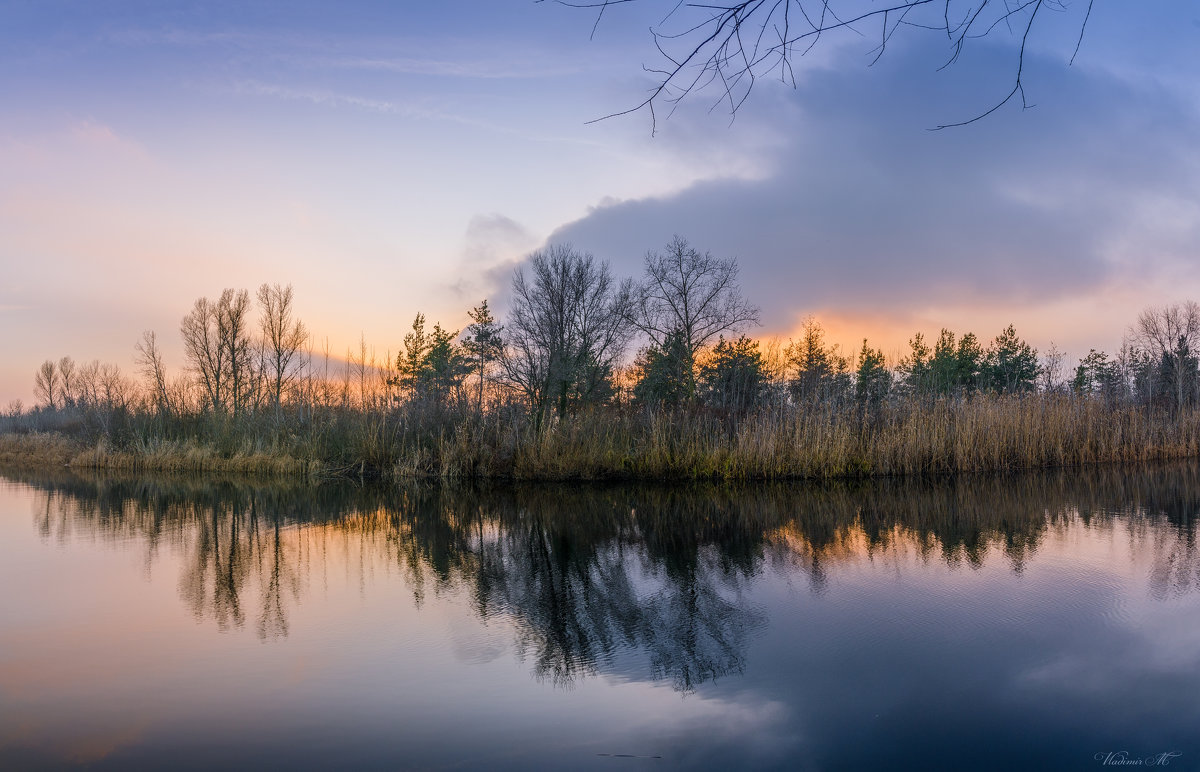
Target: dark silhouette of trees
915	369
665	374
570	325
1097	375
961	366
483	344
1011	364
820	371
445	366
734	374
431	367
956	366
872	380
1169	334
692	296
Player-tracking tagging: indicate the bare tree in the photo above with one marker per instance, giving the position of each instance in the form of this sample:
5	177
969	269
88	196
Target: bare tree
46	384
233	332
284	336
690	293
112	387
730	45
150	364
205	354
1052	366
569	326
1172	334
89	384
217	343
70	384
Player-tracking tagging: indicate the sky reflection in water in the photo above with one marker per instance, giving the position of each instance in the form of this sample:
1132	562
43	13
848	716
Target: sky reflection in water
1019	622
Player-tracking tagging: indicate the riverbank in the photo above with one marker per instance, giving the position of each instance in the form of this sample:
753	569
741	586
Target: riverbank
908	438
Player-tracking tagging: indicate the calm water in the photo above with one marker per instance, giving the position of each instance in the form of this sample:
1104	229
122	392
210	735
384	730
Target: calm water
1031	622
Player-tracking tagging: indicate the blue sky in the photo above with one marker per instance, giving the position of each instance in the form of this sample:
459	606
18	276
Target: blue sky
387	159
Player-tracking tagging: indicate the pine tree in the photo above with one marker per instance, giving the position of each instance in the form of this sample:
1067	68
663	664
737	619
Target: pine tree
914	369
872	379
665	373
482	344
410	362
734	374
1011	364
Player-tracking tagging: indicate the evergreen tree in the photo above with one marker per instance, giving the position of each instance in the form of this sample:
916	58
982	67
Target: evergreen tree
411	362
444	368
664	374
734	374
943	367
482	345
1097	375
1011	364
820	372
1177	373
872	379
914	369
970	363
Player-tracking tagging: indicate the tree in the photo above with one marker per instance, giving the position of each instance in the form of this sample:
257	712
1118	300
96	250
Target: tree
872	380
46	384
970	363
69	384
734	374
206	357
216	342
1052	364
283	339
1178	369
1097	375
570	324
233	323
956	366
821	373
483	344
413	359
1164	333
444	368
664	374
150	364
943	366
729	46
691	294
1011	364
914	369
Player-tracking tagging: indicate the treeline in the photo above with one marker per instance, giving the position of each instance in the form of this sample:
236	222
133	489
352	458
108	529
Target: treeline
549	390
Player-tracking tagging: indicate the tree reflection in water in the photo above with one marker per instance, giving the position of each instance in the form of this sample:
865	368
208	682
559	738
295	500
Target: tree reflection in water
590	576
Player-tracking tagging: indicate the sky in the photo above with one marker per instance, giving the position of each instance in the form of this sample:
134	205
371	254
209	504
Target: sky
388	158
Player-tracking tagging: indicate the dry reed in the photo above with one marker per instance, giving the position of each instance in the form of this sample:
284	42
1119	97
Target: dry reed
946	436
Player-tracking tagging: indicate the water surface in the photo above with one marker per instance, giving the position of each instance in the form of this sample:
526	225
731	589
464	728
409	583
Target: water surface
1024	622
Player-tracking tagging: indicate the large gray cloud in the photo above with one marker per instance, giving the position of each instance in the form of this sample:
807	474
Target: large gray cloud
869	210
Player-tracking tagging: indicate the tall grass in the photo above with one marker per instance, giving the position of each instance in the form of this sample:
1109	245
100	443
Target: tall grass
915	437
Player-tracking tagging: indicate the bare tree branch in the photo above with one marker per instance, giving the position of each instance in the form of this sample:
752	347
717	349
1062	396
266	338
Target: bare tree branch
733	44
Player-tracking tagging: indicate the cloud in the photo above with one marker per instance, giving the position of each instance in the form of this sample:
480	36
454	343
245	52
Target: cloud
869	212
493	246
